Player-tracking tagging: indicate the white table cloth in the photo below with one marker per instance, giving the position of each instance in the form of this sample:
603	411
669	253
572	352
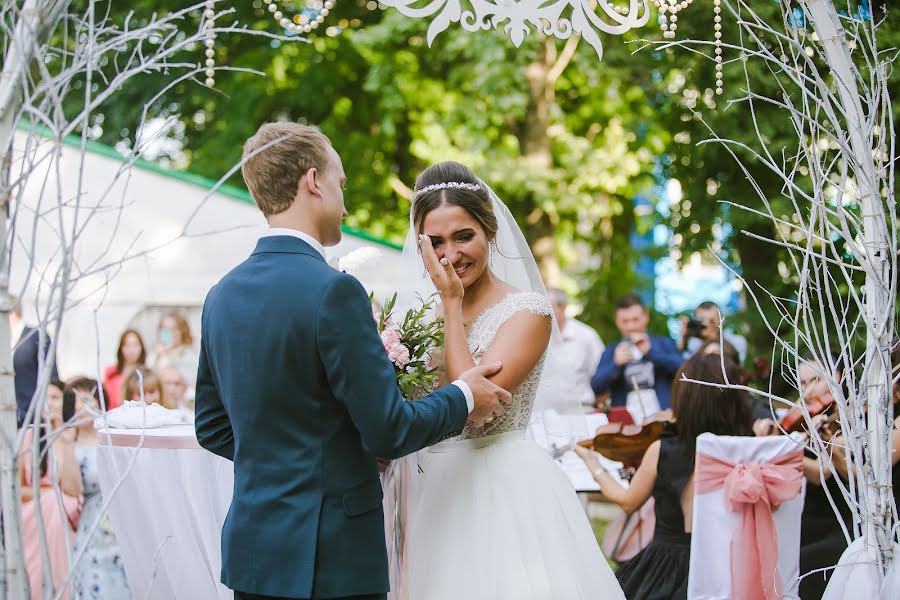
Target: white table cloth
168	499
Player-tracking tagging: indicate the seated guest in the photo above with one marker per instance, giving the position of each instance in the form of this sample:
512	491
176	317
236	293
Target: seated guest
152	392
666	473
176	389
637	370
176	349
100	573
130	355
58	470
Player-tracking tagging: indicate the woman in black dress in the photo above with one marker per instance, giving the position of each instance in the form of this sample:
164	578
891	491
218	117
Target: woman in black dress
660	571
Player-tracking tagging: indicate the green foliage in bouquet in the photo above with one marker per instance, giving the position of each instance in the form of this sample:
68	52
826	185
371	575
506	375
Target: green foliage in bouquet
412	344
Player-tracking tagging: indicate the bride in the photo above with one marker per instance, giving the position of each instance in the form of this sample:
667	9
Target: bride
488	515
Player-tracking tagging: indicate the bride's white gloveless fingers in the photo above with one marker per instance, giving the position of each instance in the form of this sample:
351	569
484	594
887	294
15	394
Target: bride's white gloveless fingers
428	255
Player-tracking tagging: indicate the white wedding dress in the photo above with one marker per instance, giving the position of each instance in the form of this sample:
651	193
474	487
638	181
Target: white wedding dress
489	515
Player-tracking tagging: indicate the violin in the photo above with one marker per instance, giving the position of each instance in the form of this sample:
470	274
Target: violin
793	421
830	427
626	443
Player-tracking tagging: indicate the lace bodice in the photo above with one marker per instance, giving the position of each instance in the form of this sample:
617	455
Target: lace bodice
481	334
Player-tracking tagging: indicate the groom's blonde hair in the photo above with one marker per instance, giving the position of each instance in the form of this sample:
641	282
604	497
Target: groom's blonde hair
276	157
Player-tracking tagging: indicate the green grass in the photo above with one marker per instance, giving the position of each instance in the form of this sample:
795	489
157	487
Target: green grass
599	526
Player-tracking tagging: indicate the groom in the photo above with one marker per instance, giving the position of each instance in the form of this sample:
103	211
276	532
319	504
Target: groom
295	387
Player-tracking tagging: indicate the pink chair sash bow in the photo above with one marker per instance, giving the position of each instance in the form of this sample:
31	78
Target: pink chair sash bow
754	490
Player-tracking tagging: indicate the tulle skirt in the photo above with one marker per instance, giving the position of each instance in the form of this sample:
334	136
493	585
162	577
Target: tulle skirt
492	519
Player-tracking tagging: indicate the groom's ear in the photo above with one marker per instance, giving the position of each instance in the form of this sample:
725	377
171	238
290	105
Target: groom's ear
309	181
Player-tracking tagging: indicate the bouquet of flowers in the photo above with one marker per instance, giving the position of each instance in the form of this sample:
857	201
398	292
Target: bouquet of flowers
411	344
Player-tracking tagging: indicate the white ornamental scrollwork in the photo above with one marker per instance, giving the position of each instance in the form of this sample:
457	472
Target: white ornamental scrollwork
584	17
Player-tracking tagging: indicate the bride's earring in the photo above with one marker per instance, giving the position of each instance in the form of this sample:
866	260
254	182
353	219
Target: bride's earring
491	255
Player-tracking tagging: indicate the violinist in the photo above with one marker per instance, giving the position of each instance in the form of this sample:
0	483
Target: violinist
821	538
666	473
837	441
838	458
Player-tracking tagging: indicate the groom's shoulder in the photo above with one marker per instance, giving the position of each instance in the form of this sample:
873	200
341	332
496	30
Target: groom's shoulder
341	284
293	273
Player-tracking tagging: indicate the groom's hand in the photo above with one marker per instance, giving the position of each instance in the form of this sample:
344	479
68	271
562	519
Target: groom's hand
491	400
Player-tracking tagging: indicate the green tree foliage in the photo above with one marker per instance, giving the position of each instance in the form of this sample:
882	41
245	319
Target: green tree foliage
705	221
564	139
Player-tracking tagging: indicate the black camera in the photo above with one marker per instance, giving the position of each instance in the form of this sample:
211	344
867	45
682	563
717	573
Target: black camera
694	328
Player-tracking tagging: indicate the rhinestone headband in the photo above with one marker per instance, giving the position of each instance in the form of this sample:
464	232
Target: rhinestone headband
472	187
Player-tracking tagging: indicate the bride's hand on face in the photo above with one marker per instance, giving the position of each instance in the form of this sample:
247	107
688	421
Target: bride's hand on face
445	279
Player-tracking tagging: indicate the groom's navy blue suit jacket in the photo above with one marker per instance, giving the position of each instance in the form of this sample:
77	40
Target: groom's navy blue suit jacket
295	387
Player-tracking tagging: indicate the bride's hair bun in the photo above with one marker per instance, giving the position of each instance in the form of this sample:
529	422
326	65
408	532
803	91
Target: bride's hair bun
455	184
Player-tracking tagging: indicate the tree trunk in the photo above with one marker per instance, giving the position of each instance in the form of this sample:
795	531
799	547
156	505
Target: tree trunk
756	269
535	141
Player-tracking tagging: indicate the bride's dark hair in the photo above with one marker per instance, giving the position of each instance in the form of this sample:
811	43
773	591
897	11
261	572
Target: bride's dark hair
476	202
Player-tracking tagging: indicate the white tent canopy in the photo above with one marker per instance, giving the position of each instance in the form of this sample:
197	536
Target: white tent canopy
148	240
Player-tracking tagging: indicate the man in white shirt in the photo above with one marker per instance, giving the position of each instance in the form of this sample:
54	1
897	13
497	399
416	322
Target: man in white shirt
580	351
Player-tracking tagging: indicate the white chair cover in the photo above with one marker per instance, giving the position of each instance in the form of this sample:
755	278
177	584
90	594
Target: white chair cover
714	523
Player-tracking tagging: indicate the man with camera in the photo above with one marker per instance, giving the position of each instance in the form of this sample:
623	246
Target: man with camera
637	371
705	327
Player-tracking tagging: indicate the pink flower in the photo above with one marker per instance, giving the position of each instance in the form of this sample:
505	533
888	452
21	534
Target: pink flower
399	356
390	337
396	351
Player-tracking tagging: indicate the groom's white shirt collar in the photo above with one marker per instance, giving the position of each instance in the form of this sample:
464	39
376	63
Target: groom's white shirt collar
316	245
462	385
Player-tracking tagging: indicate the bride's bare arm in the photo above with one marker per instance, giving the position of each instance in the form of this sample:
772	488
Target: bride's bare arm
519	343
456	349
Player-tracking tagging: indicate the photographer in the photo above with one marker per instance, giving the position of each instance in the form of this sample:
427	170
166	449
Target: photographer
637	371
705	326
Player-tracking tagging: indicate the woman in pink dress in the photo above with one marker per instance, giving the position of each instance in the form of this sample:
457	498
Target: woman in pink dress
131	354
59	511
